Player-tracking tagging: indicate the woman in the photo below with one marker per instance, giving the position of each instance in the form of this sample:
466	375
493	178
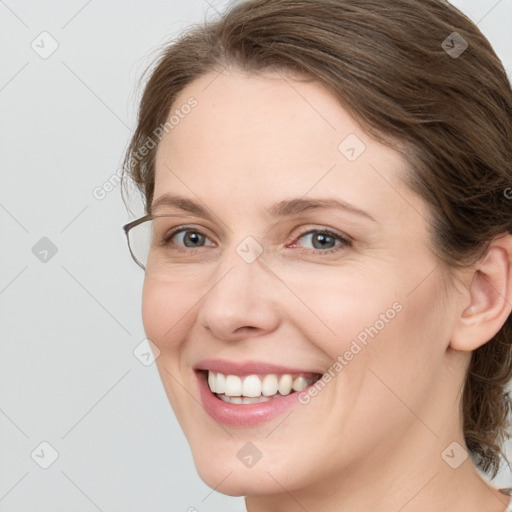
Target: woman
327	253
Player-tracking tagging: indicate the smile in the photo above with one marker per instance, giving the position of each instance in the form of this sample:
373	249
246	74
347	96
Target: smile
247	394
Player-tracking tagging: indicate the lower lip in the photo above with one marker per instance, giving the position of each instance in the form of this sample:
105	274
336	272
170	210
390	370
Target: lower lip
243	415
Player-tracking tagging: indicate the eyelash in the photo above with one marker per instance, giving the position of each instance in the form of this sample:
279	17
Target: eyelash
345	241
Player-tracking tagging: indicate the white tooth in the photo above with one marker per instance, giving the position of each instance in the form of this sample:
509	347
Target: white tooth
285	384
299	384
256	400
269	385
220	383
233	385
244	399
251	386
211	381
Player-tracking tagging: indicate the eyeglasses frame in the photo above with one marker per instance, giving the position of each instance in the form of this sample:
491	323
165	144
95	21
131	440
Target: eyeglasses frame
126	229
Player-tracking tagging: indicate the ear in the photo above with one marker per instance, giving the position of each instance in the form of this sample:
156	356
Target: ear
488	298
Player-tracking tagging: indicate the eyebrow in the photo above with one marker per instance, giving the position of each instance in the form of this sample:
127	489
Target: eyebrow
283	208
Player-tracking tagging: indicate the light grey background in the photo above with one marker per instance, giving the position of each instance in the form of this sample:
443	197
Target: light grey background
68	326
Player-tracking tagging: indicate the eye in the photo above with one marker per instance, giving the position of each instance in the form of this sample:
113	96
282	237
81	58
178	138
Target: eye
188	238
324	240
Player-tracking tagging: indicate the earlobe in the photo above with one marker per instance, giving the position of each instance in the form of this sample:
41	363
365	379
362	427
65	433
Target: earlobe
489	295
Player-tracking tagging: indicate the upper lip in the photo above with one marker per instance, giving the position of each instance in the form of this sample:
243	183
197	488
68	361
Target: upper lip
246	367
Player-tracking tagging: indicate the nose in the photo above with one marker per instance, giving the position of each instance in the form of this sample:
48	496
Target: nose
242	300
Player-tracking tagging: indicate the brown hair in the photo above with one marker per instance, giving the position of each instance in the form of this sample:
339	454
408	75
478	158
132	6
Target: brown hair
387	65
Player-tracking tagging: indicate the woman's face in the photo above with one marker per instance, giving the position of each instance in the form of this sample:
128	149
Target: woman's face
269	283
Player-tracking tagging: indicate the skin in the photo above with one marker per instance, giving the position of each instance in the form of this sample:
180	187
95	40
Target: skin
373	438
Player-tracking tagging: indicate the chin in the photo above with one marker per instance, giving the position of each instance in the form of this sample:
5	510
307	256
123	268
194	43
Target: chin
235	480
221	465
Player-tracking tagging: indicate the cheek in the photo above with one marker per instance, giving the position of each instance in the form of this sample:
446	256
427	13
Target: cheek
406	355
167	316
383	320
167	310
342	305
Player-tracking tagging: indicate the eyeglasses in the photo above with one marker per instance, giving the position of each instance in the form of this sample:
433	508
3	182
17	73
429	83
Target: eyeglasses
138	236
150	245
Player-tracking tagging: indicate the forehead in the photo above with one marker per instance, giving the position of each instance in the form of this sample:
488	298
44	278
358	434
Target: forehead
245	111
264	137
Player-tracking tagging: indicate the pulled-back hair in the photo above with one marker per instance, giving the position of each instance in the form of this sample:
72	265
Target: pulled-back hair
390	66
